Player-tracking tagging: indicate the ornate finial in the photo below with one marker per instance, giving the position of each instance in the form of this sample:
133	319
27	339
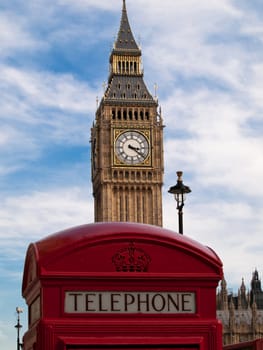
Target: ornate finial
104	85
155	90
179	175
131	259
139	41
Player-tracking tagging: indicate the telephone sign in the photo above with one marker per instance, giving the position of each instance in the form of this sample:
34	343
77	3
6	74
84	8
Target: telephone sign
130	302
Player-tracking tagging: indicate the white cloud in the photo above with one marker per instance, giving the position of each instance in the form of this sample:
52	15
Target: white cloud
204	42
4	331
254	86
218	145
14	37
37	214
232	229
44	89
16	148
88	4
39	108
252	26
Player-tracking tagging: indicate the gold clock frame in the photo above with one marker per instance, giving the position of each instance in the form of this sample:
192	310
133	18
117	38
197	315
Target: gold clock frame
146	133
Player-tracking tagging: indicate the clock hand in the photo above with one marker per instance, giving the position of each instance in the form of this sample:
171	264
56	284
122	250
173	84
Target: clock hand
137	150
133	148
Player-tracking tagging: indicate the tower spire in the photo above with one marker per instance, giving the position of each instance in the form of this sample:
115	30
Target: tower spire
125	40
125	80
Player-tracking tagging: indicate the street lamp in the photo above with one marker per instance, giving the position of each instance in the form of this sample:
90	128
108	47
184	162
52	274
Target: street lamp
179	191
18	326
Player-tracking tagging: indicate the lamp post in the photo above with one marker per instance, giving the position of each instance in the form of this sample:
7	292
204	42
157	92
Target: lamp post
179	191
18	326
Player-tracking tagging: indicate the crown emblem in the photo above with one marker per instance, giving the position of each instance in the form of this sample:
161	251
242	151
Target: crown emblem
131	259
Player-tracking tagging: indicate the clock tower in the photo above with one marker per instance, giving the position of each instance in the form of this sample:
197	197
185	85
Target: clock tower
127	140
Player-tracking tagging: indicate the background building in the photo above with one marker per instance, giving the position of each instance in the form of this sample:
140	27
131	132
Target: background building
241	314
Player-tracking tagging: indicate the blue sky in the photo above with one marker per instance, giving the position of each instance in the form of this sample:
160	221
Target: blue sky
206	57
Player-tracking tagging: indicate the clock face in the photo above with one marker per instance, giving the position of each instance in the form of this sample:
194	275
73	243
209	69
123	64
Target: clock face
132	147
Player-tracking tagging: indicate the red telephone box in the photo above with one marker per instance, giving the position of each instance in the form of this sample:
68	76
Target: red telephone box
121	286
249	345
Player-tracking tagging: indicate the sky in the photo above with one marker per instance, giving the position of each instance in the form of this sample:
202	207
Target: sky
206	57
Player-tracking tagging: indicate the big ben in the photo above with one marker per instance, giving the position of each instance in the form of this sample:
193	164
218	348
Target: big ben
127	140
